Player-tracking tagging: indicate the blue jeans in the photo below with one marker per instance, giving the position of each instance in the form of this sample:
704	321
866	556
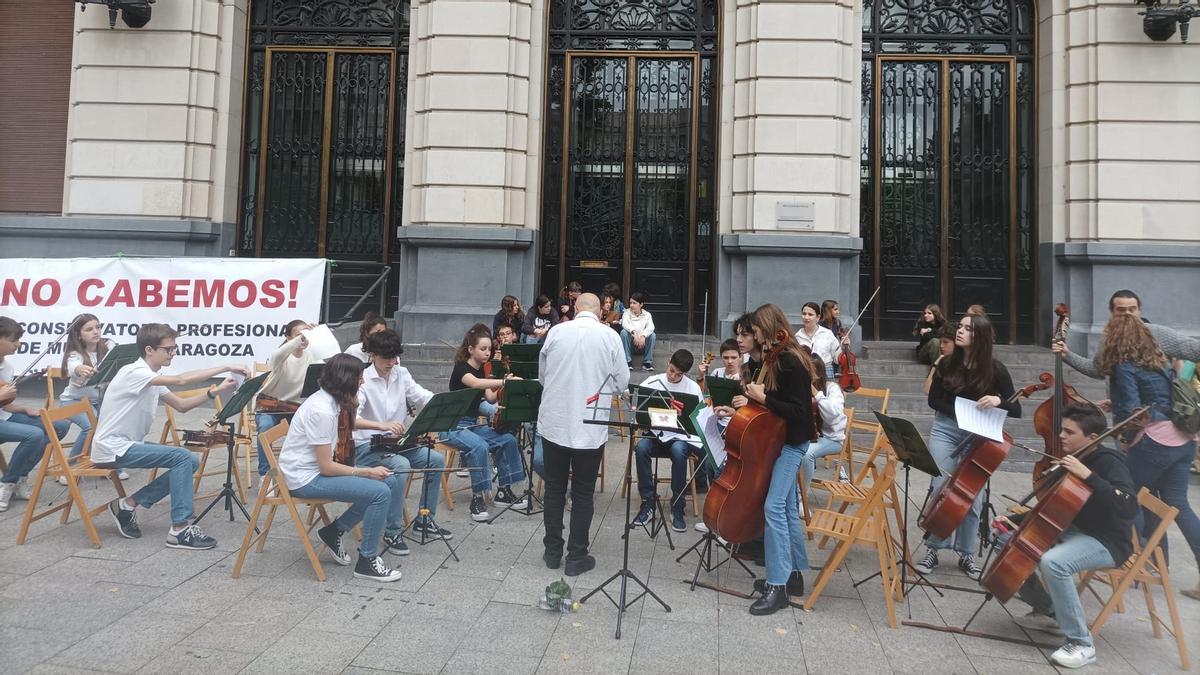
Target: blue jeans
678	450
263	422
539	455
627	340
475	443
1165	472
180	465
822	447
1075	552
944	438
402	462
31	442
784	548
369	501
81	420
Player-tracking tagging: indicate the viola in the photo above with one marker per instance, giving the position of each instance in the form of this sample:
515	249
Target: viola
270	404
981	458
1060	495
1047	419
848	378
754	439
344	452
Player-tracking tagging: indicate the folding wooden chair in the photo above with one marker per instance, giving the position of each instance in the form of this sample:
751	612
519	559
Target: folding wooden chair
867	526
171	436
868	429
52	374
1146	567
274	493
55	463
842	495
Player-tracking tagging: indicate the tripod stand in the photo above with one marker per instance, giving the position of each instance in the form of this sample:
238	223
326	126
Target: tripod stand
519	405
238	402
424	513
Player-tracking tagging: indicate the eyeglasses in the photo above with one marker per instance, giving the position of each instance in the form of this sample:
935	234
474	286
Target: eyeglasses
170	350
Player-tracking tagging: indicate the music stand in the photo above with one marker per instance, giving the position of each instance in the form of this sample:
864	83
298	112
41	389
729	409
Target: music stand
522	359
520	405
312	380
232	408
440	414
624	574
117	358
721	390
681	404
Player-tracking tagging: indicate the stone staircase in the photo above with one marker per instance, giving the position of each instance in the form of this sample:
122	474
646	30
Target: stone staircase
889	365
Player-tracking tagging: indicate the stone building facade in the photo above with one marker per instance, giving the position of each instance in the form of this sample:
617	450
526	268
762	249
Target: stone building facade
714	154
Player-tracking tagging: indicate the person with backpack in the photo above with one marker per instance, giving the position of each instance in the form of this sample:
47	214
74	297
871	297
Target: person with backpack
1160	453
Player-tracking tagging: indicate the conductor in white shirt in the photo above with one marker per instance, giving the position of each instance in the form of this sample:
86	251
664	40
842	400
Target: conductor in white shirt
576	360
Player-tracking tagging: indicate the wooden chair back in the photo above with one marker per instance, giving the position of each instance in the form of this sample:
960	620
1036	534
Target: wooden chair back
873	439
52	374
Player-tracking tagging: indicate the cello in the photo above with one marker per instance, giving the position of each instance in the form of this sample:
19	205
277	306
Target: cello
1060	496
754	439
981	458
1047	419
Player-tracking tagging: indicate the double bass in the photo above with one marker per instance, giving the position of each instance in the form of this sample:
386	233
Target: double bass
1047	419
754	439
1061	495
981	457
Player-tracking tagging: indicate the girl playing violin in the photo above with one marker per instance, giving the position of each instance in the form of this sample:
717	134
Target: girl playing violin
819	339
306	461
84	350
969	372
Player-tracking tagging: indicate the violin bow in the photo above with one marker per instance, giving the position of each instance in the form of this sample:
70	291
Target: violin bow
863	311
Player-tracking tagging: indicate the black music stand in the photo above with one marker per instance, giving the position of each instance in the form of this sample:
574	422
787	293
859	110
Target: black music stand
522	359
721	390
440	414
521	401
652	397
312	380
232	408
624	574
117	358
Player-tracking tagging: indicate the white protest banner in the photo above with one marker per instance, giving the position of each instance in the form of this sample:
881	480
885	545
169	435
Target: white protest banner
228	310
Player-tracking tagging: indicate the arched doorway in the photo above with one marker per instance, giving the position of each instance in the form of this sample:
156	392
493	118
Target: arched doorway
948	162
629	176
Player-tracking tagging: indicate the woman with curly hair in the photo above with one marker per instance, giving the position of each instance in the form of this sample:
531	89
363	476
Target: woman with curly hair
1160	454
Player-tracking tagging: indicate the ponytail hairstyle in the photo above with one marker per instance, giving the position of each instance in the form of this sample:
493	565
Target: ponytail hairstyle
289	327
75	342
369	322
977	378
774	325
471	340
339	378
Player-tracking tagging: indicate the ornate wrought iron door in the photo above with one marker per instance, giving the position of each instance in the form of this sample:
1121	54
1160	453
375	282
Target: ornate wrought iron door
630	151
947	162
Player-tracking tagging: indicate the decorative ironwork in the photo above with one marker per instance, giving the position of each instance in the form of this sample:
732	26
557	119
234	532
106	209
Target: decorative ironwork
662	158
321	178
597	159
947	161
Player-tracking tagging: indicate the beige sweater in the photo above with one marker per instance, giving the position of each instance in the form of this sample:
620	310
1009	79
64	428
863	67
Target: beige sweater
287	372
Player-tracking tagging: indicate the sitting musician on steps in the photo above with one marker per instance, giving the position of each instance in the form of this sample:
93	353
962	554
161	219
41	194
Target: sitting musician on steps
289	364
387	394
1098	538
972	373
125	418
307	463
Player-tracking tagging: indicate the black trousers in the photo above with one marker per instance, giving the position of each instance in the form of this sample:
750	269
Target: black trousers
581	467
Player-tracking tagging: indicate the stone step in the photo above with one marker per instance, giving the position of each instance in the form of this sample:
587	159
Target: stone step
905	351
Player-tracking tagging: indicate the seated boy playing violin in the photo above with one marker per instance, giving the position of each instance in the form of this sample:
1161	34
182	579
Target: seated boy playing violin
1099	537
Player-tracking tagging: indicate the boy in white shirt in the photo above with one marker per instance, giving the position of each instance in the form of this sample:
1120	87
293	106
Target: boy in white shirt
637	332
731	362
386	397
130	403
668	444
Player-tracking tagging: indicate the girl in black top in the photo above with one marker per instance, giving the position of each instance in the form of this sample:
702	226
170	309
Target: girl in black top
786	391
538	321
969	372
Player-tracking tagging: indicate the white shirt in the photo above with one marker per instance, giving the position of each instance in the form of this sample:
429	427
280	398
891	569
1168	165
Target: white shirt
637	323
286	380
832	405
720	372
6	375
315	423
77	388
685	386
823	343
127	412
381	400
576	359
356	350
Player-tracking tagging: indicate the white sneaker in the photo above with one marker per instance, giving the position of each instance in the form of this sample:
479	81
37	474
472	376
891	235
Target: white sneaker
24	489
1074	655
700	527
123	475
62	480
1035	620
6	494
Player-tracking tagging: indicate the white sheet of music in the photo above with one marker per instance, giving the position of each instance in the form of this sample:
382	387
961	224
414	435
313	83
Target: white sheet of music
321	342
988	423
710	426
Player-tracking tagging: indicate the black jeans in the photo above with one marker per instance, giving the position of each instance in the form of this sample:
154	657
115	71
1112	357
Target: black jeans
582	467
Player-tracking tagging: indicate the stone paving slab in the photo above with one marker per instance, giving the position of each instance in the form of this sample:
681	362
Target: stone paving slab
136	606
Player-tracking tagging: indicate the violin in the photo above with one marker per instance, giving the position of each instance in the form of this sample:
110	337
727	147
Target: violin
981	458
270	404
754	439
848	378
1047	419
16	382
1061	495
488	369
343	453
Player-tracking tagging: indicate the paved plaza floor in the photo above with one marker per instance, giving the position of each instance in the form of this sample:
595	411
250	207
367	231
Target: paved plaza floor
134	605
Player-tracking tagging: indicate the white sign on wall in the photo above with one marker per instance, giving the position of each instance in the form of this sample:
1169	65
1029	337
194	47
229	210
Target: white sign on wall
228	310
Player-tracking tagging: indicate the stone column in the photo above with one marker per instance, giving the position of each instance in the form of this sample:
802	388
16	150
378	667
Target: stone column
466	239
1120	200
789	139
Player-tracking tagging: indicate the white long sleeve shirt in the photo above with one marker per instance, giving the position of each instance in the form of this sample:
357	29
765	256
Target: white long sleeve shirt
637	323
576	360
685	386
823	343
389	400
832	405
286	380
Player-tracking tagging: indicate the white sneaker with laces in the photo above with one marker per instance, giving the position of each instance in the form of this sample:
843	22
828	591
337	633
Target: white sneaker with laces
24	489
123	475
6	494
1036	620
700	527
1074	655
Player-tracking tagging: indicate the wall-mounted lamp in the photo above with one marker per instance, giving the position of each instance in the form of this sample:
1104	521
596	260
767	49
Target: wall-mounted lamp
135	13
1160	19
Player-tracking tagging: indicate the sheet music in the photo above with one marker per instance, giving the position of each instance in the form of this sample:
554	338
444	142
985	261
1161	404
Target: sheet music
321	342
708	424
664	418
988	423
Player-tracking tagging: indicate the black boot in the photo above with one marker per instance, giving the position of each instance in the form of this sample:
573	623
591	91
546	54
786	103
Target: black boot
774	599
795	585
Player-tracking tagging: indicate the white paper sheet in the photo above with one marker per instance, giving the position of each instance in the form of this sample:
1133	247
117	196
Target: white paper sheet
988	423
321	342
664	418
709	425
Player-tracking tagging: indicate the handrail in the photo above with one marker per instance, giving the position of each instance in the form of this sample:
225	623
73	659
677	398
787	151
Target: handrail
379	279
